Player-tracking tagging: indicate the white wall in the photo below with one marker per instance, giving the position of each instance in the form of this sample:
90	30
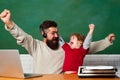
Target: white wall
27	63
104	59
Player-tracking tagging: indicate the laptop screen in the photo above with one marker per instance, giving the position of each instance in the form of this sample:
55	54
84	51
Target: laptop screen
10	65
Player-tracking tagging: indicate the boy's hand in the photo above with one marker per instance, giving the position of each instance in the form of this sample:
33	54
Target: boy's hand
91	26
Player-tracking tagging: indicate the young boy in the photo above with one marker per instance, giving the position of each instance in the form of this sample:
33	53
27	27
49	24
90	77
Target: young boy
76	50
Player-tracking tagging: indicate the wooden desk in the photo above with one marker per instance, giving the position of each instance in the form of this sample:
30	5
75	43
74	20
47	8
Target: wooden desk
60	77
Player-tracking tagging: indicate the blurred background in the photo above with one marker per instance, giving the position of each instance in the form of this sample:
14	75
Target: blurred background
71	16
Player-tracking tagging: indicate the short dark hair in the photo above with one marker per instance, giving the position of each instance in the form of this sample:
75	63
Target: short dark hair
47	24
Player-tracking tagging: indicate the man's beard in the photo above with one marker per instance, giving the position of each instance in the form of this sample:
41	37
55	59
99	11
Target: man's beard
53	44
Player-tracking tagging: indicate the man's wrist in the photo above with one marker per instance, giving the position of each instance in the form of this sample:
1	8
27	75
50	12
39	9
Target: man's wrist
9	24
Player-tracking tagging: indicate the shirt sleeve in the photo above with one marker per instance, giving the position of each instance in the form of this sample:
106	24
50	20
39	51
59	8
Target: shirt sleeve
61	41
87	41
100	45
22	38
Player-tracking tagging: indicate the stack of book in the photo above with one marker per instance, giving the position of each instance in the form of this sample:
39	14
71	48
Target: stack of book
97	71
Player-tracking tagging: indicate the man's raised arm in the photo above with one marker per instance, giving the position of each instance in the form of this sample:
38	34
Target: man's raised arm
102	44
6	18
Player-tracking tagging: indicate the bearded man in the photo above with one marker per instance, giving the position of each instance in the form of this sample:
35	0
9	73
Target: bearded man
48	54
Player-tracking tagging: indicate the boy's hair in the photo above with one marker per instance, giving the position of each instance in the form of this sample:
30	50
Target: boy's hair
47	24
80	37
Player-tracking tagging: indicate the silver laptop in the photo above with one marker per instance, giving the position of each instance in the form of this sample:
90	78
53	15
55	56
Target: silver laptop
10	65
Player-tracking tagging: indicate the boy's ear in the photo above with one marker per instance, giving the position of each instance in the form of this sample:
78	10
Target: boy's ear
81	42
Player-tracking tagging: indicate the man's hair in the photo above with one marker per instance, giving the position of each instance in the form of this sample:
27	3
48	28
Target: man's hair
80	37
47	24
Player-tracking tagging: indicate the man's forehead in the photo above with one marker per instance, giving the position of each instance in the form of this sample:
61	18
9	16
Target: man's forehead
52	29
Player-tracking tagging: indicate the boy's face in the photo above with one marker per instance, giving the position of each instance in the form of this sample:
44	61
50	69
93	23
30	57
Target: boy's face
75	43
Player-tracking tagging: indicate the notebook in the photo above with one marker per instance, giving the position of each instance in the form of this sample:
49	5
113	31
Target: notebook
10	65
97	71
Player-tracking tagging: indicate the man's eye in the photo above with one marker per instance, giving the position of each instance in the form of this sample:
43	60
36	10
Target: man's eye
53	33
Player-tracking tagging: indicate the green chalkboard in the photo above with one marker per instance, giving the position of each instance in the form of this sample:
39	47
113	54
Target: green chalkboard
71	16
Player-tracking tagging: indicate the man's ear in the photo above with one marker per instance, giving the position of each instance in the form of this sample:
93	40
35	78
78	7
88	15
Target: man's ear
43	34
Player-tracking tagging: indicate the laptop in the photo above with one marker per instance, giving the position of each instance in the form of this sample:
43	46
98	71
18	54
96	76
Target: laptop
10	65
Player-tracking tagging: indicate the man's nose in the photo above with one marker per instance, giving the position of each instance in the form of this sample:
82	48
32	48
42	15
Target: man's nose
56	35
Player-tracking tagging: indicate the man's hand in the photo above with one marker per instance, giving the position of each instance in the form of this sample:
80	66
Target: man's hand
111	37
5	17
